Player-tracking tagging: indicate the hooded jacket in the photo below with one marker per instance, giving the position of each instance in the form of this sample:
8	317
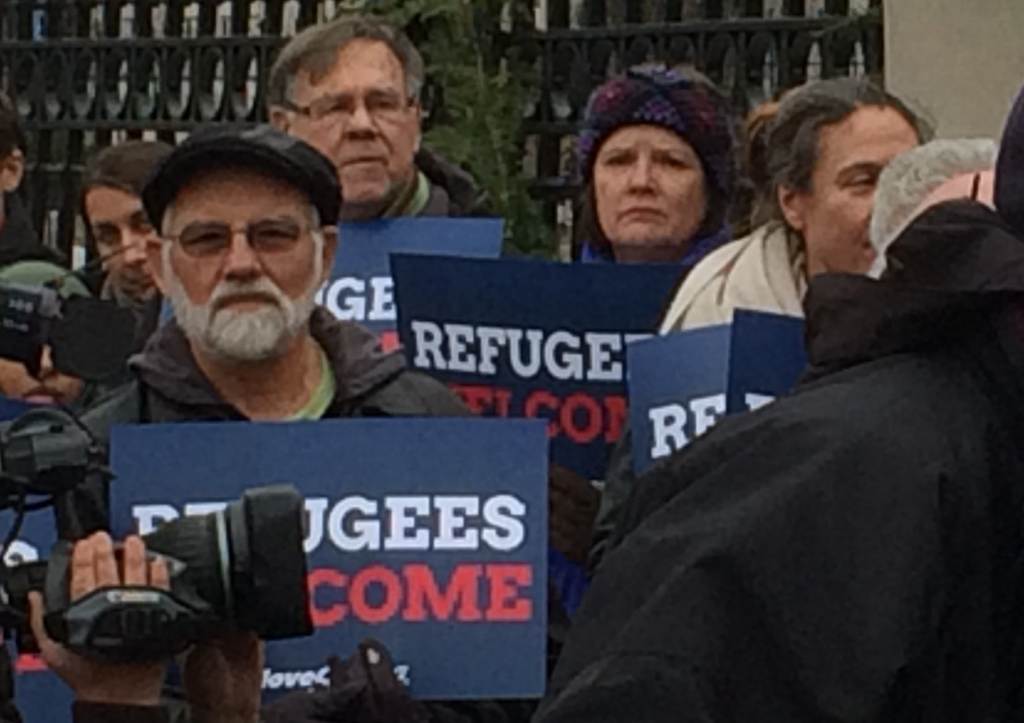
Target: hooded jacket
852	552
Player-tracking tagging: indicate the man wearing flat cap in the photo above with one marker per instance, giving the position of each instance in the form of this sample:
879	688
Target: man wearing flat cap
247	236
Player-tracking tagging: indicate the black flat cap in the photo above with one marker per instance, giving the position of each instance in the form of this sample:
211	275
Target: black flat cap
263	148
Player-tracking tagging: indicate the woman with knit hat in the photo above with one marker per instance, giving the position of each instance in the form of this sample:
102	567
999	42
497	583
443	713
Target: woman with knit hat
656	155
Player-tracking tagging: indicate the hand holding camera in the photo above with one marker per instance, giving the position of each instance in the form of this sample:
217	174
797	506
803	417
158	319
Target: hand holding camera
94	566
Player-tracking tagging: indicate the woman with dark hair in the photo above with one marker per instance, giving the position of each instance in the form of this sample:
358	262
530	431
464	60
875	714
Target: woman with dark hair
824	152
118	231
656	155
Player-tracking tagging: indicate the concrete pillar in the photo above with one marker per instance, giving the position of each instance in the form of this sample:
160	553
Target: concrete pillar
961	61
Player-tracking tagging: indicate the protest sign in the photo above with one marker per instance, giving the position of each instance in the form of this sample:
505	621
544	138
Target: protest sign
681	384
39	694
529	338
360	288
428	535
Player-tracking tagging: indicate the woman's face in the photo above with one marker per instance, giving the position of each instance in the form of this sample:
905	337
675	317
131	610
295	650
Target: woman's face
49	387
650	193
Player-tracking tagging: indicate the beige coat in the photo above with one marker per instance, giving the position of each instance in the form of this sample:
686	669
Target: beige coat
763	272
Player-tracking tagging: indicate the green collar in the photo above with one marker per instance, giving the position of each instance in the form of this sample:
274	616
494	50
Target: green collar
323	395
411	204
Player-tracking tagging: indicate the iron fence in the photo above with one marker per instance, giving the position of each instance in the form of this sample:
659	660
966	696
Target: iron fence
84	73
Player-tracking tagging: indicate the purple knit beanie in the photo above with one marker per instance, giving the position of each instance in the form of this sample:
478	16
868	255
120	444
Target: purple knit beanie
692	109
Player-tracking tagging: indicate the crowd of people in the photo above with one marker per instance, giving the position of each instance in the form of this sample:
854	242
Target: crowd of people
850	552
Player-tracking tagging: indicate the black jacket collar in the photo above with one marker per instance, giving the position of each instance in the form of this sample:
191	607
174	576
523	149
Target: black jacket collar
949	273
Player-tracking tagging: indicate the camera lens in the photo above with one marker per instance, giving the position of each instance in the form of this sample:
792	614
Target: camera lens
244	564
268	562
195	542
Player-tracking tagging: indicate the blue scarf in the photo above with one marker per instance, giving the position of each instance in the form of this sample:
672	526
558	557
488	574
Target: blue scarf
697	251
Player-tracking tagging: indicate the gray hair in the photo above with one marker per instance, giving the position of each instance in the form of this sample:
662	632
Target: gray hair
793	147
913	176
315	51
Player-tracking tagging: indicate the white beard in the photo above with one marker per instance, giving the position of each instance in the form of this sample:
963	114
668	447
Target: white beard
242	336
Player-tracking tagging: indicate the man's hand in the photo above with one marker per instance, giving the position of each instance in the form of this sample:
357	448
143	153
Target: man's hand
223	679
93	566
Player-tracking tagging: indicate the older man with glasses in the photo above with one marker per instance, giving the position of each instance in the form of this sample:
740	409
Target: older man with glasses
351	88
247	236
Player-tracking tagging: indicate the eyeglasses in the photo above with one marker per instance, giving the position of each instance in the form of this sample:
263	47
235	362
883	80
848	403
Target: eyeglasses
381	105
206	239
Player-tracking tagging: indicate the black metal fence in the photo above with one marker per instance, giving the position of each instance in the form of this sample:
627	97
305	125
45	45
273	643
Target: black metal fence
86	72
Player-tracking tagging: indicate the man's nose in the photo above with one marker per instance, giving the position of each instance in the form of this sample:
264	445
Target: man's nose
360	123
135	249
242	260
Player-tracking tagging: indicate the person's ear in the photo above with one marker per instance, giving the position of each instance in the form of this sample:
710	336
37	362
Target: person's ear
330	248
12	169
280	118
155	260
794	207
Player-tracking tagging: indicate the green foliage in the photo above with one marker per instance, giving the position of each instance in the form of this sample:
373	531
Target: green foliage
481	85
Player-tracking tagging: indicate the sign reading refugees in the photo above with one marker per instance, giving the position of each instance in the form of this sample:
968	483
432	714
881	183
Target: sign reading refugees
681	384
427	535
361	288
529	338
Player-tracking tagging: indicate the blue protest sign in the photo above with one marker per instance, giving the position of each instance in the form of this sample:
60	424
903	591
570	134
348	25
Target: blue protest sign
361	288
530	338
681	384
428	535
39	694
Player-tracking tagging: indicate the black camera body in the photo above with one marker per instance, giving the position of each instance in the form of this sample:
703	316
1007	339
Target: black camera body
90	338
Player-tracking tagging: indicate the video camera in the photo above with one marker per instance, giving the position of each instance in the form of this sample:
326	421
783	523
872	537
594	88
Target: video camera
243	566
90	338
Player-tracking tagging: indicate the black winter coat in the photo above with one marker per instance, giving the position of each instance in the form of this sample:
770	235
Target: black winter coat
851	553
